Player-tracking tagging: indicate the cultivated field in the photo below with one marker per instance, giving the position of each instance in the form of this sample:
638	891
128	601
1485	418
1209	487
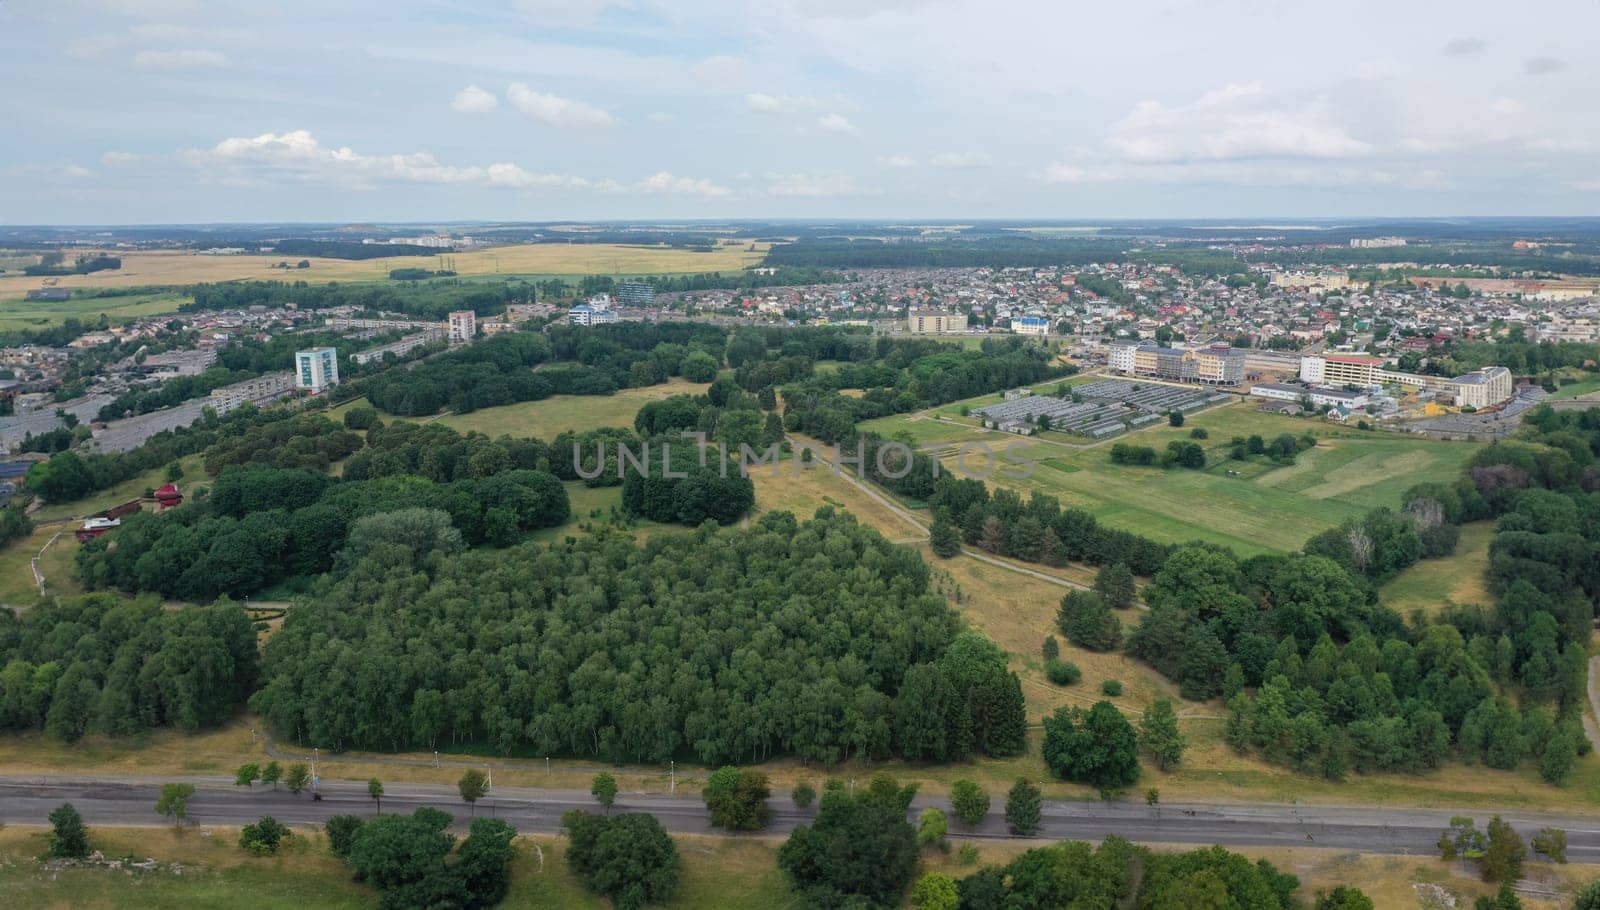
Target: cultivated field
1263	508
540	259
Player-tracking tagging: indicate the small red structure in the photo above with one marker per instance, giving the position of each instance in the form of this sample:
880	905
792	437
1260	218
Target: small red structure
167	496
127	508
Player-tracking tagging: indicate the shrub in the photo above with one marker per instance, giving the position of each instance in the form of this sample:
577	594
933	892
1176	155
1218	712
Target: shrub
1111	687
263	837
1062	672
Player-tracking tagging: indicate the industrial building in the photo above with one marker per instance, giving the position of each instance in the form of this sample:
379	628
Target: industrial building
1318	396
316	369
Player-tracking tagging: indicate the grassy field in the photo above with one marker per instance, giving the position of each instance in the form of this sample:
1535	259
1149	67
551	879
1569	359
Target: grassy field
718	873
1264	508
20	313
194	475
541	259
1458	578
559	413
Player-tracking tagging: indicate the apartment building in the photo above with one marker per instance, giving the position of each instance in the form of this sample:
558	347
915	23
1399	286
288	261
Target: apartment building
1212	365
1030	325
584	314
316	369
1341	370
935	322
258	391
462	326
1482	388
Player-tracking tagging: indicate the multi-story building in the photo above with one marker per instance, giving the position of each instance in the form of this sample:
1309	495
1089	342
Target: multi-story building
584	314
1030	325
1211	365
316	369
1119	358
635	293
1341	370
1374	243
260	390
1482	388
1218	364
462	326
402	347
935	322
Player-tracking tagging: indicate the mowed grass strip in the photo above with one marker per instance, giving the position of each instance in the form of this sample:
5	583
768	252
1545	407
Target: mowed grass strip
1458	578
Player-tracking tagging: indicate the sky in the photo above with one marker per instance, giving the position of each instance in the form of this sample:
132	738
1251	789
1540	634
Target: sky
185	111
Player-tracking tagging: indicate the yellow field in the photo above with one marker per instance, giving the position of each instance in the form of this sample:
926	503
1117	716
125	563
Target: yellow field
175	267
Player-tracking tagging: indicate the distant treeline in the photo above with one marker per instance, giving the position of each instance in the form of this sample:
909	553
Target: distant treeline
344	249
52	264
994	252
433	300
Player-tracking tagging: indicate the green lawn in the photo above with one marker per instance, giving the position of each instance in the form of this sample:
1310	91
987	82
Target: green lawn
1575	389
1457	578
1264	508
33	314
559	413
194	475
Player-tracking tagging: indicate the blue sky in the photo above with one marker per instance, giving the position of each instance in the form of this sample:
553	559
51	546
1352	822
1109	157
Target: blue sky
142	111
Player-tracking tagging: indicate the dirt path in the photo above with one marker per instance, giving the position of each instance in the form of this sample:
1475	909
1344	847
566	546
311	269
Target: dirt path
1589	725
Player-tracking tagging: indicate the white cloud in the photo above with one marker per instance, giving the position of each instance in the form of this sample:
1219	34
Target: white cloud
763	103
897	161
115	158
959	159
1232	123
1543	66
51	172
1464	47
298	154
1057	172
664	182
835	123
179	59
813	185
474	100
553	110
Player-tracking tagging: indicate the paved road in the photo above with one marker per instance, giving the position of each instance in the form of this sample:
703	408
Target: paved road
130	801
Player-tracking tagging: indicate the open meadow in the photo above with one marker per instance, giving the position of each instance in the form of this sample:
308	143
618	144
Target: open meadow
170	267
560	413
19	313
1261	507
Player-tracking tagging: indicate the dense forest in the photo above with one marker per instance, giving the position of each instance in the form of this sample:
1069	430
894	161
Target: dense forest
818	639
104	664
348	249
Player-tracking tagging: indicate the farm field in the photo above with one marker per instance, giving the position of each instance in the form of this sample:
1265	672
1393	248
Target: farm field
19	313
1264	508
541	259
559	413
1457	578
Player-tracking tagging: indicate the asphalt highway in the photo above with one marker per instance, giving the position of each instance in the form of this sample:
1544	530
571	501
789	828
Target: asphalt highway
130	801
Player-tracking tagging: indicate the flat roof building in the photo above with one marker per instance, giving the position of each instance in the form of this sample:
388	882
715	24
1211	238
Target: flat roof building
316	369
1483	388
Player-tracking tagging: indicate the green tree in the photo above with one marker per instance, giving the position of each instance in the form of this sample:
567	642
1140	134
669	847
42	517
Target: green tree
263	836
297	778
271	773
1115	583
860	851
628	858
803	795
69	836
1505	899
1159	736
473	786
1096	747
969	802
341	831
1503	856
604	790
174	802
375	791
483	864
403	857
935	891
737	800
1175	418
1551	842
1588	897
1087	620
247	775
932	826
1343	897
944	539
1023	808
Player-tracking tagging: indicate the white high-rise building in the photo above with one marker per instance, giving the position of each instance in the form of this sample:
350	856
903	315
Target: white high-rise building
316	369
463	326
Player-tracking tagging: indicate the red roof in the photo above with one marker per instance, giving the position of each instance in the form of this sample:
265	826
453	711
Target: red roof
1352	358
